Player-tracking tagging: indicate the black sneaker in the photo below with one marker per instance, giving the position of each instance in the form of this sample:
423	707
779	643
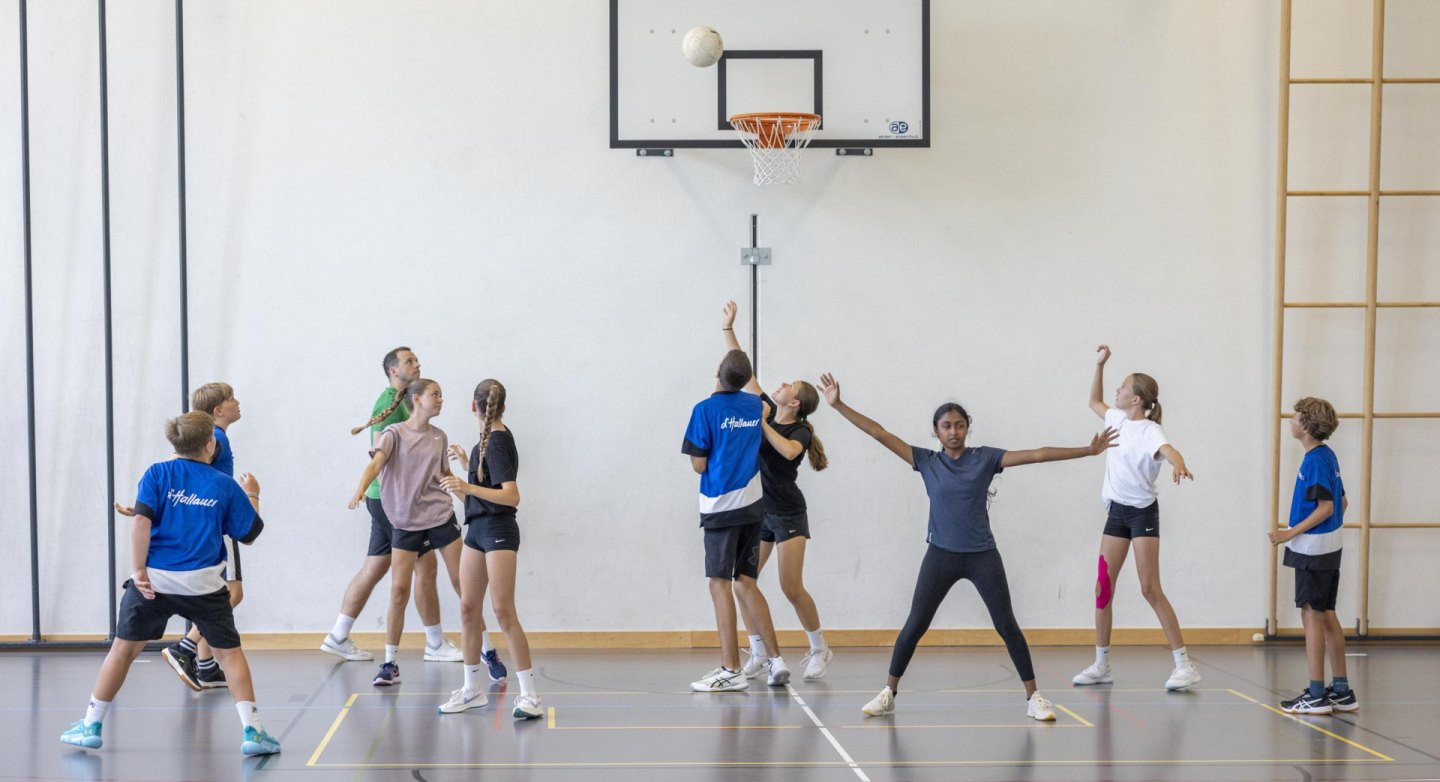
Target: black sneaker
389	674
183	663
1346	702
211	677
1305	703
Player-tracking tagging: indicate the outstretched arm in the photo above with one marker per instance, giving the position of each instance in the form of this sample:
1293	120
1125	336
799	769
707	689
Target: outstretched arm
1097	386
372	470
727	327
1176	461
1098	444
831	389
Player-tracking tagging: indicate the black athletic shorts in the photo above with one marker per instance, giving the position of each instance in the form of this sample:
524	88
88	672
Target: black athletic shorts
1127	522
778	529
144	620
731	552
1317	589
492	533
381	531
232	559
422	541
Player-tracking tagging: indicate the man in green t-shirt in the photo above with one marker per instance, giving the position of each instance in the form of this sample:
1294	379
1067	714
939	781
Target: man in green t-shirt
401	368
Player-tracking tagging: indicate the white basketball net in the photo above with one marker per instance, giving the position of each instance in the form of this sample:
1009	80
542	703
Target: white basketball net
775	142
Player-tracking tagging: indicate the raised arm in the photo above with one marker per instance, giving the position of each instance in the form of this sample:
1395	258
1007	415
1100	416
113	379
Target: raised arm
831	389
727	327
1177	462
372	470
1097	385
1097	446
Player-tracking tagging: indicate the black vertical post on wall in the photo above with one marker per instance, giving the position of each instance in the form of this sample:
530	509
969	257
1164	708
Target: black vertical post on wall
29	324
109	338
184	261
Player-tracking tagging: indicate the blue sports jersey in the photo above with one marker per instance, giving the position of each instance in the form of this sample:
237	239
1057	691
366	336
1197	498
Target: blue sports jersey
726	429
1318	480
224	457
190	505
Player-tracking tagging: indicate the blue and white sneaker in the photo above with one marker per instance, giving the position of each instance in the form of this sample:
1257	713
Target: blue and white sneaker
493	664
258	742
389	674
83	734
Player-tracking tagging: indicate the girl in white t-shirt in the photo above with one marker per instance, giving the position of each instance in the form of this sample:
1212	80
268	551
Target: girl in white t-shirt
1134	515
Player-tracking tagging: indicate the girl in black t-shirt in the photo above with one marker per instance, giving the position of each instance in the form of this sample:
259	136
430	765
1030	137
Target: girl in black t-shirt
789	436
492	540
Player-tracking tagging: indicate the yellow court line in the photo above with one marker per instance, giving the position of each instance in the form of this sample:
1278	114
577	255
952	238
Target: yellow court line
551	722
1075	716
558	692
672	727
334	726
1317	728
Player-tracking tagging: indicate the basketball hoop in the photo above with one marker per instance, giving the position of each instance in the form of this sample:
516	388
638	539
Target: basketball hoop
775	140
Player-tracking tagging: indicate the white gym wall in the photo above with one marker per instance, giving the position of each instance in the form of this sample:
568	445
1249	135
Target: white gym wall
368	174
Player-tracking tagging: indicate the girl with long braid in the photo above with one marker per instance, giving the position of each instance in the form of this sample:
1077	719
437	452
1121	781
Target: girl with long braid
961	546
409	458
492	542
789	437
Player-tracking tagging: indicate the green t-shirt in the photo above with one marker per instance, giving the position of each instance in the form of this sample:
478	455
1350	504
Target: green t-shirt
387	397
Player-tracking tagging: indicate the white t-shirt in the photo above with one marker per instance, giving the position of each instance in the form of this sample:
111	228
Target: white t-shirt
1133	464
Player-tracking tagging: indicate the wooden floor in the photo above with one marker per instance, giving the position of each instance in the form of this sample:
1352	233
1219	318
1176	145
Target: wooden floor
629	715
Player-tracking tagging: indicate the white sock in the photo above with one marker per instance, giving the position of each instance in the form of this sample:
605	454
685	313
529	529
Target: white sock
391	652
485	646
434	636
341	630
757	646
473	682
249	714
1102	656
527	682
97	710
1181	656
817	640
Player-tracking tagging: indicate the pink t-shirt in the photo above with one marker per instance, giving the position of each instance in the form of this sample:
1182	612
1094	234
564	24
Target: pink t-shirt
410	489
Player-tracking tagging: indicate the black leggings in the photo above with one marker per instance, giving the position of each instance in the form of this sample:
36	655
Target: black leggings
940	570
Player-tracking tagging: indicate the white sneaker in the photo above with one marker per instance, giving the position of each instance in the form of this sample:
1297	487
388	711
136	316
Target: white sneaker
444	653
345	649
462	700
779	674
527	707
881	704
755	665
1038	708
1183	677
721	680
815	662
1095	674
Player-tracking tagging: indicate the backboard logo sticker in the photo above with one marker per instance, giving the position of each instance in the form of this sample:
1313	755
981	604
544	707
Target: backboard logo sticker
899	127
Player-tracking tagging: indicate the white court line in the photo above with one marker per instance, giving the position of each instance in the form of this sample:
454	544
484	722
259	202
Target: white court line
826	732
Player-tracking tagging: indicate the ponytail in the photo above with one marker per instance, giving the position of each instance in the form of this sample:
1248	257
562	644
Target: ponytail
400	397
818	460
809	399
1145	387
492	395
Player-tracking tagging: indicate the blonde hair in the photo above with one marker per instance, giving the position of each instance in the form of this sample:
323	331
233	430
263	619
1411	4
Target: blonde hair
210	396
490	395
1317	417
189	433
1145	387
809	399
400	397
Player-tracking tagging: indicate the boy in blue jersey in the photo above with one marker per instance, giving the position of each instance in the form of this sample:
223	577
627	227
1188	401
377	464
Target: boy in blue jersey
723	443
1312	548
191	658
182	509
